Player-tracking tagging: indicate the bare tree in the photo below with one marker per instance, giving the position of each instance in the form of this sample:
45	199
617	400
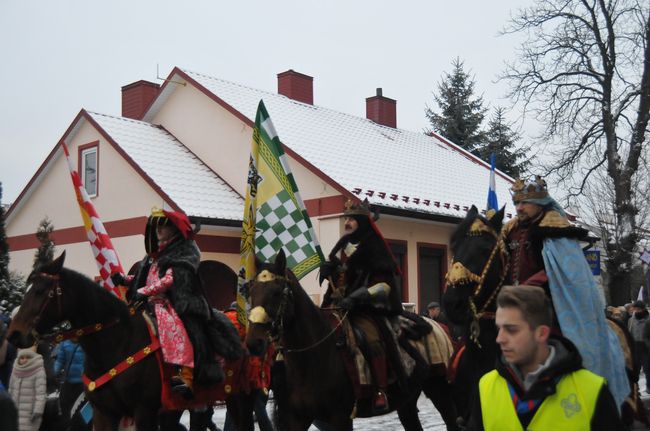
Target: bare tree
584	71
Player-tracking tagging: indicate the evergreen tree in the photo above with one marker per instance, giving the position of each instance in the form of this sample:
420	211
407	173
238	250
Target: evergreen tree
501	140
4	246
45	251
461	114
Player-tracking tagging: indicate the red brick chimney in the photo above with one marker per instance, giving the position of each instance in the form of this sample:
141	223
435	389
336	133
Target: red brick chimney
382	110
296	86
136	97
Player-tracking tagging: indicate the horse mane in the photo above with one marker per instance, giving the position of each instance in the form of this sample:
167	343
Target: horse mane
98	297
462	228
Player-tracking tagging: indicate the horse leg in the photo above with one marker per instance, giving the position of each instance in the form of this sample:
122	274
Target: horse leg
240	409
438	390
102	422
200	418
169	421
408	415
145	420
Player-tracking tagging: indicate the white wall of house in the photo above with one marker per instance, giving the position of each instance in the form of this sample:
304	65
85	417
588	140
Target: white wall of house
122	194
221	140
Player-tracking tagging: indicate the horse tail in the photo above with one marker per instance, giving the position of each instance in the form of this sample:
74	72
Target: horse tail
280	394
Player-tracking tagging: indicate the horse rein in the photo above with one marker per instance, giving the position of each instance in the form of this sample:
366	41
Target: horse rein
277	324
55	290
460	271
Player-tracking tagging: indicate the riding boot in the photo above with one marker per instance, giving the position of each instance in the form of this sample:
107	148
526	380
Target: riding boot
379	371
183	382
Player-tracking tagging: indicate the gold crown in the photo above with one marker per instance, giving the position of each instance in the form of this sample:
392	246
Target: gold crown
522	191
362	208
157	212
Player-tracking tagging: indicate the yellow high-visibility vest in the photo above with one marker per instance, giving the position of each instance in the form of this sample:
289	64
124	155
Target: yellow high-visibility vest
570	408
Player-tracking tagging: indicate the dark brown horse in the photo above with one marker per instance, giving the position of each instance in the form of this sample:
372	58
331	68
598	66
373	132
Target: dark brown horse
478	270
57	294
315	383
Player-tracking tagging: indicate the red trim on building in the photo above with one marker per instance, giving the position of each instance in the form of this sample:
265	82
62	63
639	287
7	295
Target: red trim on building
218	244
72	235
325	206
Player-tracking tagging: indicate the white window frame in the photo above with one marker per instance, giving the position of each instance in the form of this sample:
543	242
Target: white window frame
84	173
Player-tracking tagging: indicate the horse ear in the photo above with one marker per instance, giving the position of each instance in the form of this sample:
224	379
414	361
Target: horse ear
55	266
496	221
473	211
280	262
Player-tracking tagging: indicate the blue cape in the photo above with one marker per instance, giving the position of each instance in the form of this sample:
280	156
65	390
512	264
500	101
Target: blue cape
580	312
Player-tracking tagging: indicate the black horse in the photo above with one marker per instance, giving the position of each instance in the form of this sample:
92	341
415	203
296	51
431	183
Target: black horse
478	270
314	383
110	334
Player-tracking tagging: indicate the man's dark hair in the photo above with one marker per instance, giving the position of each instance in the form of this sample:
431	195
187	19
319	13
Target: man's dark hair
532	301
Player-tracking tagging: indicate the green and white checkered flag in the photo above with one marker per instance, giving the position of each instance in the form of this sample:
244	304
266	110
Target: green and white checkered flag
280	220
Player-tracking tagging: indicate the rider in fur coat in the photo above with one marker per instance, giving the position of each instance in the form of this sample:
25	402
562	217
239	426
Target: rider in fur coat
210	332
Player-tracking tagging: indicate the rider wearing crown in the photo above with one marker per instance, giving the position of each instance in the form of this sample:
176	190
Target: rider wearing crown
363	281
545	251
167	278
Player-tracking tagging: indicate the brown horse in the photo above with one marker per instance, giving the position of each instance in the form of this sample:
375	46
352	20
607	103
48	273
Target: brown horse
57	294
315	384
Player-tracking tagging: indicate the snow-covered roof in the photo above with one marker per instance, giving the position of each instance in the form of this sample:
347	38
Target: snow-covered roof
193	186
391	167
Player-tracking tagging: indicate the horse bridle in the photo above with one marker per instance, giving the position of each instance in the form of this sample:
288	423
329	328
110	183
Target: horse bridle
277	323
54	290
459	272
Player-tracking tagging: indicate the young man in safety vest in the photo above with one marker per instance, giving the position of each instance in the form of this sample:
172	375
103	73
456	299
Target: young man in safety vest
539	382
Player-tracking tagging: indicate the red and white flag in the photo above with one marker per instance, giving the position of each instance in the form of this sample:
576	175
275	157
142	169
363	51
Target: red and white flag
100	243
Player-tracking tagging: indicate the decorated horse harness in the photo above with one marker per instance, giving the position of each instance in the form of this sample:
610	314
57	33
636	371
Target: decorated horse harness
54	290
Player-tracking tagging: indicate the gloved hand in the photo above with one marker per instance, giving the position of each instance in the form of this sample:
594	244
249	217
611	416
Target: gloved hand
118	279
36	416
328	269
139	297
347	303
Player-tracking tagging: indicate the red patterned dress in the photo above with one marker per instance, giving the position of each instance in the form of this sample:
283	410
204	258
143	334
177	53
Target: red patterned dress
174	341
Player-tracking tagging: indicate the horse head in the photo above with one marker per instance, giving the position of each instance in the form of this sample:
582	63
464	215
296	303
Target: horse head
54	295
271	301
42	306
479	267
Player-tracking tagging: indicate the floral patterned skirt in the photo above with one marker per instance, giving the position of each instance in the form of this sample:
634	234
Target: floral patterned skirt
174	341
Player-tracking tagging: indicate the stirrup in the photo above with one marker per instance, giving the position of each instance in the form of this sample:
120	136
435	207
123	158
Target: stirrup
380	402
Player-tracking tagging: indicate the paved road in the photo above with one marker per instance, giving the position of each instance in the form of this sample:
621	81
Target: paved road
431	420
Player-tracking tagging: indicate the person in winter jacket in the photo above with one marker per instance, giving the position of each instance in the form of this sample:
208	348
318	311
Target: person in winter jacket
539	382
69	365
27	388
639	326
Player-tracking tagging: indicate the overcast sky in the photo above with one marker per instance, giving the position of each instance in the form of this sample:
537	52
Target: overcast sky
61	56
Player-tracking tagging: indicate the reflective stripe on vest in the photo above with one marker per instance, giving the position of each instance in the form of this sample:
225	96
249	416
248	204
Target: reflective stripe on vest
570	408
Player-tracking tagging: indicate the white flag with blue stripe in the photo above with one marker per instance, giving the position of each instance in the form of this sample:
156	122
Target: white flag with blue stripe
492	202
